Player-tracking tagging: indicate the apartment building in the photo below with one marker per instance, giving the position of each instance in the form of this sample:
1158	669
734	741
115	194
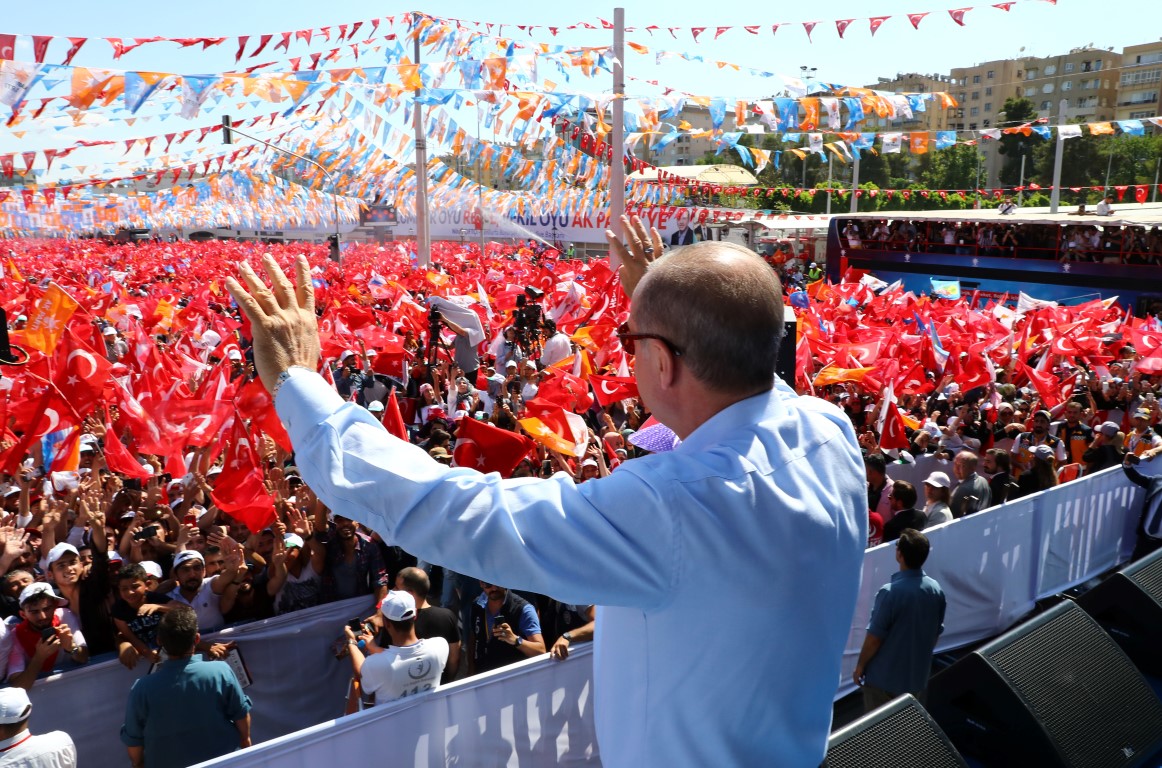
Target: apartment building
686	150
1086	78
933	118
981	90
1140	82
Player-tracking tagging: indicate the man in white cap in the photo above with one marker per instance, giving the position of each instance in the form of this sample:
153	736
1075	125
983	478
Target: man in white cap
409	666
115	347
376	409
937	494
49	634
20	747
209	596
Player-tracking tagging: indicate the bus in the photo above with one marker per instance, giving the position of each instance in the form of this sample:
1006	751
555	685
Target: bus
1070	257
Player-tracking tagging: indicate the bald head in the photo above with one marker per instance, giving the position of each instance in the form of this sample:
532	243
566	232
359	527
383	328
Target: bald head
722	306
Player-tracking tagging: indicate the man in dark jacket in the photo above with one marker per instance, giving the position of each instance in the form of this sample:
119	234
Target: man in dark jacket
1150	524
1105	451
905	514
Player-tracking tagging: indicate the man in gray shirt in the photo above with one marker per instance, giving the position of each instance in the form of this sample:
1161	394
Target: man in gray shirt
972	494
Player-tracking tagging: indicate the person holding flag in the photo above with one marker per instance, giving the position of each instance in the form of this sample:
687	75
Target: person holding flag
757	463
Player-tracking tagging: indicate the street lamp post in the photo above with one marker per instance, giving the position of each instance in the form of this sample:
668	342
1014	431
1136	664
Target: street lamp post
228	131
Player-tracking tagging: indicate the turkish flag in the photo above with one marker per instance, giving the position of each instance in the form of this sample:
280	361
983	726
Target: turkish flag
893	435
974	373
192	422
1046	384
566	390
119	459
46	411
240	490
254	403
486	448
610	389
131	414
393	419
79	373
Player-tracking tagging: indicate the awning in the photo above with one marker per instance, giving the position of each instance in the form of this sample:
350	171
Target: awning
725	175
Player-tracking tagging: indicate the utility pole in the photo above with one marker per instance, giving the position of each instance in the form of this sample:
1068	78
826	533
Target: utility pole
480	180
1055	196
617	137
423	237
854	184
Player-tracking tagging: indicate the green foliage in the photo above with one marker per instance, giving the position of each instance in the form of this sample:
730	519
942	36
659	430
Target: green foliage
953	168
1013	145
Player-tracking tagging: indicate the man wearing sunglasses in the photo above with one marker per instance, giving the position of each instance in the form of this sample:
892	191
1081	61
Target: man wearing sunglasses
765	488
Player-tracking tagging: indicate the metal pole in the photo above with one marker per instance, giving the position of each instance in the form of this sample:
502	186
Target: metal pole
1055	195
423	238
829	185
1154	194
977	206
1109	165
854	184
805	156
1021	185
480	181
617	138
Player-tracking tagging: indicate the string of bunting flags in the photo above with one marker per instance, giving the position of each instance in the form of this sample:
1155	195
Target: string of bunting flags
346	33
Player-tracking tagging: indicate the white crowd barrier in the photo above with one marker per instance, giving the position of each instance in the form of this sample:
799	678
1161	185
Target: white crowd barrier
297	682
993	566
535	713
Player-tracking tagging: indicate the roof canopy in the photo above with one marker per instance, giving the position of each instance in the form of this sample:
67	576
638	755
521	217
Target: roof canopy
730	175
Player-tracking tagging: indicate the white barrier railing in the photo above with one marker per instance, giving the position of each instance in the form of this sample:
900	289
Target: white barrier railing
993	566
534	713
297	682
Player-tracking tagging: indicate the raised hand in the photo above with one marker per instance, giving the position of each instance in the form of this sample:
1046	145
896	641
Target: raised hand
636	252
282	318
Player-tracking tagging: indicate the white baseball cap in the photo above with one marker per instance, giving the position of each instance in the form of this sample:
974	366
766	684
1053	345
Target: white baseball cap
398	606
59	551
15	706
938	480
38	588
185	556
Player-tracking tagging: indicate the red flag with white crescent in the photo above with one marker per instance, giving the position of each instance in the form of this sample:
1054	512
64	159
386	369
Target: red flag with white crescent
486	448
610	389
893	435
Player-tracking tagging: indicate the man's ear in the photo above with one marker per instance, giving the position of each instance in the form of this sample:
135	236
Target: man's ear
197	638
666	366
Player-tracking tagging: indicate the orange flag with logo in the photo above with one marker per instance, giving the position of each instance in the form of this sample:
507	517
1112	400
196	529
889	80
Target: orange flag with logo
47	321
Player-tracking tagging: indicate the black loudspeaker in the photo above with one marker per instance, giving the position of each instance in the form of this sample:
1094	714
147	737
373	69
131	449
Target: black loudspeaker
1055	691
899	734
1128	605
785	366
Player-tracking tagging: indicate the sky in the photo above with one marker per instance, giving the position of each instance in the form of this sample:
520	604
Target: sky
1039	27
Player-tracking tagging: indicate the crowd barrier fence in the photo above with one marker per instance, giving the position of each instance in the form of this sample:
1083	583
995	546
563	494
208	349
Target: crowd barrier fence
993	567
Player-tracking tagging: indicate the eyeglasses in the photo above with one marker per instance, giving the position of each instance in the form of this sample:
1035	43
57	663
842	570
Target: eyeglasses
628	340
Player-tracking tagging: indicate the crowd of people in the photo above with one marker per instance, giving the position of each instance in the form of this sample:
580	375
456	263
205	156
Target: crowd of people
166	486
1114	244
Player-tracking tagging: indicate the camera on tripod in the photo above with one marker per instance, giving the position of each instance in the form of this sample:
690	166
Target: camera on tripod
527	319
434	318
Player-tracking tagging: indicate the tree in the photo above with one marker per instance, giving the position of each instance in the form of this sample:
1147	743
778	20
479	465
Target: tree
952	168
1082	164
1013	145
